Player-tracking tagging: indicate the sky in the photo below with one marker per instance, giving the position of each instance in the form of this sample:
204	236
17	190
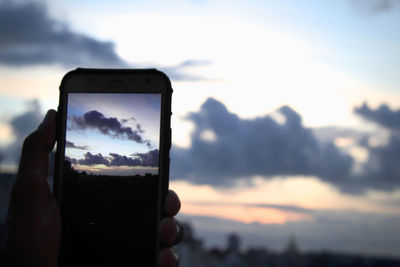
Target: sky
286	114
113	134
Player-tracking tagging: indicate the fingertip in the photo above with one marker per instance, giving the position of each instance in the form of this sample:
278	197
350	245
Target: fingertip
48	119
167	258
172	203
169	230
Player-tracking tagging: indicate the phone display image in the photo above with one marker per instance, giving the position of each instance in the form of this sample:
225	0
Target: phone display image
113	134
110	177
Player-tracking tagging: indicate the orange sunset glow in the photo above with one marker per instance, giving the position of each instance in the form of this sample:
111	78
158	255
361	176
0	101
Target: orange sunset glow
243	214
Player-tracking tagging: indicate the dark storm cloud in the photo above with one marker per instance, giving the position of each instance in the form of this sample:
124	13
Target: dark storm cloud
107	126
126	120
262	146
72	160
382	116
138	125
91	159
382	168
72	145
28	35
118	160
149	159
259	146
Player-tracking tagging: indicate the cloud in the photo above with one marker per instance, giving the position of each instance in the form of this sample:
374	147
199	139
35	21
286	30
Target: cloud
118	160
261	146
139	128
331	133
91	159
382	116
72	145
30	36
375	6
107	126
287	208
382	168
242	148
149	159
72	160
179	72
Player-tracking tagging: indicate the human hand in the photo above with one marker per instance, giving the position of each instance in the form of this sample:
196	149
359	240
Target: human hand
32	231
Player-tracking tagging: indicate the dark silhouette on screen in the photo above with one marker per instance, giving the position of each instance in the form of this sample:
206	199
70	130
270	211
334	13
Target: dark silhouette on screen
99	221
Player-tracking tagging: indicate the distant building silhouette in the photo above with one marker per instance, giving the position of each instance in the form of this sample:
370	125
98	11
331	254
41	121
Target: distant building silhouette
233	257
193	254
292	247
291	255
233	242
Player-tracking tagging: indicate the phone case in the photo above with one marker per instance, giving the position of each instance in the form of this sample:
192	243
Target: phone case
165	130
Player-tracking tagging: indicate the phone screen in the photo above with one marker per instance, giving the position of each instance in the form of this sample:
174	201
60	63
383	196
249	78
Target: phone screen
110	184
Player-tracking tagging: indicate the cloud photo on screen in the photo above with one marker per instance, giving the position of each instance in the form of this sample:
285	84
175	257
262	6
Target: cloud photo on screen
113	134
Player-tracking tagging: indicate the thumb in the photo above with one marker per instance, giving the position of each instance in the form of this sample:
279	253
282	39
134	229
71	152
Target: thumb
31	185
37	146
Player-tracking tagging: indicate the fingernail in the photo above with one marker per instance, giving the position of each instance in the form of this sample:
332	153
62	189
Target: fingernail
177	235
176	256
179	232
49	116
178	229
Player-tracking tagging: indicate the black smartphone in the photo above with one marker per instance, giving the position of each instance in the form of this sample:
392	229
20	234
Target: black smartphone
112	165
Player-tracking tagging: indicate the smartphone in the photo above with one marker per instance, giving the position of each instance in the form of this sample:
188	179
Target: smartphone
112	165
